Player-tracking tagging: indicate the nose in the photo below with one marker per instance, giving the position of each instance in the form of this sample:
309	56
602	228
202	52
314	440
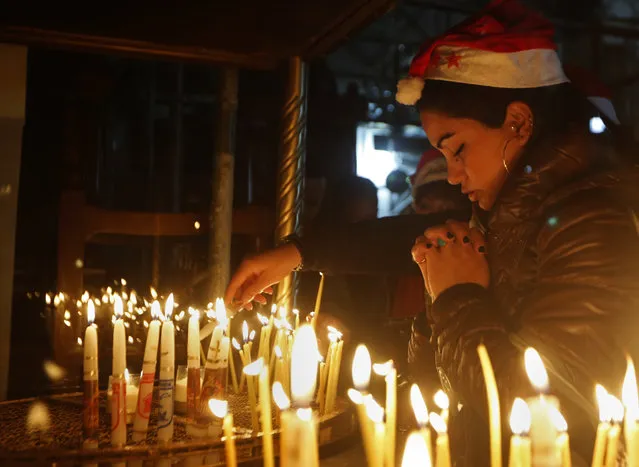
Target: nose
455	173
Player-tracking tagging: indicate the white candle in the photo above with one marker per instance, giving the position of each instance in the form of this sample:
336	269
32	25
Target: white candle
543	432
118	398
388	371
520	455
265	412
442	445
604	426
318	300
147	378
421	415
334	369
91	391
617	413
193	365
220	410
215	371
167	375
361	372
416	451
563	440
376	415
494	410
631	402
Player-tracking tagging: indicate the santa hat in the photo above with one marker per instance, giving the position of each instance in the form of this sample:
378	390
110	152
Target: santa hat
588	83
505	45
431	168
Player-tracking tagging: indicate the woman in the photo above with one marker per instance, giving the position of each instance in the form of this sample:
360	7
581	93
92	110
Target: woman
553	262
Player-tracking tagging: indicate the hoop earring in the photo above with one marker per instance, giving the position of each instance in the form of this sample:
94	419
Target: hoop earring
503	157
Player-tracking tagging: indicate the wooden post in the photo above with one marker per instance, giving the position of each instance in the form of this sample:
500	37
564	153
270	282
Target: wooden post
13	88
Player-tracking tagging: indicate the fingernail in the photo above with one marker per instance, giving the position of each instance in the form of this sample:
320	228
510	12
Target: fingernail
429	245
482	249
450	235
440	242
466	240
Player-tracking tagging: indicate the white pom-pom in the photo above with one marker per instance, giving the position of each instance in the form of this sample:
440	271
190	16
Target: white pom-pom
409	90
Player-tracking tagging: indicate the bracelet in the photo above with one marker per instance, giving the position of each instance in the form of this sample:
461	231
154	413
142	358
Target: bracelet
294	240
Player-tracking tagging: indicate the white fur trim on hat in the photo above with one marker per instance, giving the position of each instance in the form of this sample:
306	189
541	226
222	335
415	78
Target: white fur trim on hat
409	90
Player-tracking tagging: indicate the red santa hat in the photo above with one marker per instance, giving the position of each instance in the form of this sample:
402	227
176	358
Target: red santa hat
430	168
593	89
505	45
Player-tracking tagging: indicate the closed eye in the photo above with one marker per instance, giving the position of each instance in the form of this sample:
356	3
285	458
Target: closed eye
459	151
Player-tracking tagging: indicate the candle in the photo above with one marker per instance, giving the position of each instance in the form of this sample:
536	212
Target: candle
296	312
493	406
231	359
220	410
543	433
250	371
167	373
321	387
91	419
118	388
390	376
616	413
441	401
334	369
245	355
214	384
376	415
193	366
519	442
265	412
132	392
262	345
442	445
604	426
299	426
421	415
361	371
563	440
318	301
147	379
416	451
631	402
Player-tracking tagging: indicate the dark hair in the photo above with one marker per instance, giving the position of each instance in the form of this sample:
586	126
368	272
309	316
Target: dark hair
555	108
342	193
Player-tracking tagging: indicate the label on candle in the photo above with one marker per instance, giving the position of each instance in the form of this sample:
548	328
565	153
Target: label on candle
118	404
165	411
145	396
213	387
91	411
192	392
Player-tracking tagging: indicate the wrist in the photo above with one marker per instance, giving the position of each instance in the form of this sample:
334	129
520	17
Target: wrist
293	249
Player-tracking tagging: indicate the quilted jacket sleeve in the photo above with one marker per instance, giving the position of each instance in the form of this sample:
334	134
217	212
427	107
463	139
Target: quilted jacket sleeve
580	310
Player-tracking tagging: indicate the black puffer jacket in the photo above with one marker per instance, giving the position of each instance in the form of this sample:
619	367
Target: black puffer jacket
563	251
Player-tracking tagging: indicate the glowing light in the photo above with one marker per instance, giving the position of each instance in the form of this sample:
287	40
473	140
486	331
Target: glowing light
196	224
416	451
245	331
419	405
304	365
67	314
127	376
219	407
437	423
278	351
273	308
374	411
154	293
355	396
361	368
90	312
47	299
254	369
520	417
603	402
67	323
118	309
382	369
629	394
168	307
123	281
441	400
54	371
235	343
596	125
558	419
130	339
79	341
536	370
280	397
220	313
38	418
263	319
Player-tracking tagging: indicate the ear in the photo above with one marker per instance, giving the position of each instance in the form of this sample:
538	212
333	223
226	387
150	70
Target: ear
519	118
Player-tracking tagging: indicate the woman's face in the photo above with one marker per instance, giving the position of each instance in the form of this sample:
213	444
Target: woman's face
474	152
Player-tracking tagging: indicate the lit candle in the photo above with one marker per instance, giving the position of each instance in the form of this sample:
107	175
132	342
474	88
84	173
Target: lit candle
416	452
220	410
262	371
361	372
245	356
279	369
321	387
604	426
118	382
296	312
147	378
563	440
442	445
250	371
91	391
167	375
616	413
494	413
543	433
441	401
388	371
193	366
334	369
421	415
263	344
318	301
376	415
299	426
214	384
519	442
631	402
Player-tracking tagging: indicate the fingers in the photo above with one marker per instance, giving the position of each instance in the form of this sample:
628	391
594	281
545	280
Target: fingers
449	232
238	281
478	240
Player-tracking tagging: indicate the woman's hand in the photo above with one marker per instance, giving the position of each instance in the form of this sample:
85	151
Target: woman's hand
451	254
257	274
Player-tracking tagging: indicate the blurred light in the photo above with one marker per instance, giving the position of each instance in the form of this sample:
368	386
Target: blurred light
597	125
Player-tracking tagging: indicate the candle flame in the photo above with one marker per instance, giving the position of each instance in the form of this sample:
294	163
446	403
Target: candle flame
130	339
603	402
219	407
361	368
416	451
254	369
419	405
67	314
441	400
304	365
283	312
195	314
47	299
67	323
355	396
273	308
252	335
123	282
235	343
536	370
85	297
118	309
278	351
280	397
79	341
127	376
245	331
263	319
557	419
374	411
616	409
133	298
629	394
109	290
437	423
382	369
146	323
520	417
334	330
220	313
168	307
296	312
154	293
90	312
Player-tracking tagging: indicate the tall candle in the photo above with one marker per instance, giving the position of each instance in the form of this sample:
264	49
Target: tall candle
265	414
519	442
318	300
147	379
334	369
250	370
563	440
91	417
631	402
543	433
361	372
214	384
416	451
604	426
442	445
118	382
388	371
421	415
220	410
193	366
376	415
494	414
167	375
617	415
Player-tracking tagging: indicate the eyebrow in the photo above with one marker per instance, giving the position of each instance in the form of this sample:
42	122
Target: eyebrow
443	138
